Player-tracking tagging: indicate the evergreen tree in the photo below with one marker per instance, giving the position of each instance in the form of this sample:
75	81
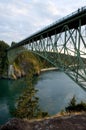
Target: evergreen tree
74	106
28	106
72	102
3	57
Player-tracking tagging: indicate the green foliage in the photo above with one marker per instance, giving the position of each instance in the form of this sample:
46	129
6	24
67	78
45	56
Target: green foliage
3	57
28	63
74	106
72	102
13	43
27	106
42	62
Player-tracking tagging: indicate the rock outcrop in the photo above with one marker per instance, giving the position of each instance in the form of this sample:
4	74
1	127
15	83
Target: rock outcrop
68	122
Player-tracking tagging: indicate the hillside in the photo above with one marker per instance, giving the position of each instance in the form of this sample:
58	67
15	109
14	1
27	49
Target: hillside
3	58
27	62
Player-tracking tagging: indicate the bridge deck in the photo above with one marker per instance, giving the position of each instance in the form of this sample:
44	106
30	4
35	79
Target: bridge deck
72	21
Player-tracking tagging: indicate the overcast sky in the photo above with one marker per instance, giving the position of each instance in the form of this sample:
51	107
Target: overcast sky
20	18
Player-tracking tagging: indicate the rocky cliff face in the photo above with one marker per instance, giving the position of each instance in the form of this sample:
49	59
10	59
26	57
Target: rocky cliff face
24	64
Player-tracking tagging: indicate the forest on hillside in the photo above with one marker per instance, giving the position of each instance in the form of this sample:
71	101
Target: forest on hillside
3	57
26	62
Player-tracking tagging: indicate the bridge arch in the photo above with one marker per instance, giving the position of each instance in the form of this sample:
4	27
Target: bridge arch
63	43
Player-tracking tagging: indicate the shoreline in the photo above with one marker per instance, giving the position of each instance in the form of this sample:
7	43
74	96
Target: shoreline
60	122
42	70
49	69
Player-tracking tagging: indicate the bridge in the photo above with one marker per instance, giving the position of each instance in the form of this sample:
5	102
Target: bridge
62	43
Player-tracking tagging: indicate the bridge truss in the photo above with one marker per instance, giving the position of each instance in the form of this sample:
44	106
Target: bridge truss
63	44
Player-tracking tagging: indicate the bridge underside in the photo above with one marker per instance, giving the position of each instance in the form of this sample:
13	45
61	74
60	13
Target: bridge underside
64	46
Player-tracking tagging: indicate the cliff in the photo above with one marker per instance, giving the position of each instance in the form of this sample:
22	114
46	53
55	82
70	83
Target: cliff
26	63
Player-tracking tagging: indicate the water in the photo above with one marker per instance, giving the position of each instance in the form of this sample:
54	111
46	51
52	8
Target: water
9	92
55	91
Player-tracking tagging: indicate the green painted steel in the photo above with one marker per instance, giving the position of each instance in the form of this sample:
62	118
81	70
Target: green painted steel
63	44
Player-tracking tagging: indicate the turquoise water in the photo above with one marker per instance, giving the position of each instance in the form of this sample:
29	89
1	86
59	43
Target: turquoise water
9	92
55	91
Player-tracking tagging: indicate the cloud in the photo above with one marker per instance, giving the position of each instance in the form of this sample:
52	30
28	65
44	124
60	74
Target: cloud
20	18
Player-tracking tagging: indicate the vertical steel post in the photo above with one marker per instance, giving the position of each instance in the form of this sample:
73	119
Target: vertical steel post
78	50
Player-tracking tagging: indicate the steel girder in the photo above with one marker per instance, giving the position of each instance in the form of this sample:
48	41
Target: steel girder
66	50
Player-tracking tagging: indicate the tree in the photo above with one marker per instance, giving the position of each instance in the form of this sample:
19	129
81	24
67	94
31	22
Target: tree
13	43
72	102
3	57
72	105
27	106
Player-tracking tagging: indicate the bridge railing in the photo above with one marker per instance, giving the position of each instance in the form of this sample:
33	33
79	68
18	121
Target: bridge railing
64	18
82	9
60	20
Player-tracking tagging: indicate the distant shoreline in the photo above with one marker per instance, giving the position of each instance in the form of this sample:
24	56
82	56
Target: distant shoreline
49	69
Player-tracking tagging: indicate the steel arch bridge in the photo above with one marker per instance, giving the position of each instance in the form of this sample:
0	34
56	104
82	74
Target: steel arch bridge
62	43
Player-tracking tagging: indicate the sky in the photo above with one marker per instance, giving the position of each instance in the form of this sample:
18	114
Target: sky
21	18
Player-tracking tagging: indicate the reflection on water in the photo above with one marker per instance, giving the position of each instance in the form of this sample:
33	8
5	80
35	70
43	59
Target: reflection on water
9	91
55	91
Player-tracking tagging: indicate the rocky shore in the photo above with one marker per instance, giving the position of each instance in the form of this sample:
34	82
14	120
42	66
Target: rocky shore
67	122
